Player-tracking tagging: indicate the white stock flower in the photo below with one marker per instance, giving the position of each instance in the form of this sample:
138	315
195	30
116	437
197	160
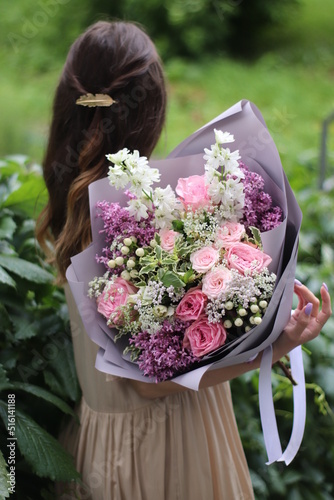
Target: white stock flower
134	160
223	137
165	203
230	159
164	199
233	200
236	189
152	174
140	182
163	219
118	177
118	157
210	175
216	190
137	209
213	157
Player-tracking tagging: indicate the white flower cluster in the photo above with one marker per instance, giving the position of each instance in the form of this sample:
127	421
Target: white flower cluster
130	168
223	177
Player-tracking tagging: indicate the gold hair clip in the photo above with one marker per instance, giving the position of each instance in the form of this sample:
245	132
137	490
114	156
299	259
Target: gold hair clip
95	100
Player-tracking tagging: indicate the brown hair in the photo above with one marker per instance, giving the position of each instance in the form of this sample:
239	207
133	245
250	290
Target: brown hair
114	58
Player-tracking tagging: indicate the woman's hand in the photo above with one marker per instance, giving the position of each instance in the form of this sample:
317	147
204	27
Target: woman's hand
304	325
306	322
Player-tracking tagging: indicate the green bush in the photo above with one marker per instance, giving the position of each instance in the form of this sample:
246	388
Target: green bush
310	475
192	28
36	359
197	28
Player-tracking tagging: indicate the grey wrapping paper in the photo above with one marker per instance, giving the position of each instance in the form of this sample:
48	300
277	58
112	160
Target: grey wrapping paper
259	153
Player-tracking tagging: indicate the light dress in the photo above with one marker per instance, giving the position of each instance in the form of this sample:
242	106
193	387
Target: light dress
185	446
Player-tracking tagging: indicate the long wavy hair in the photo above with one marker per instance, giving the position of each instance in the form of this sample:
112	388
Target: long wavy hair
114	58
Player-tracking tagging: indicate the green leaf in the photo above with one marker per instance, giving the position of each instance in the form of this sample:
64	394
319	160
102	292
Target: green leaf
5	322
158	252
5	279
25	269
7	228
256	236
42	451
147	269
24	328
161	272
19	161
29	198
171	279
44	394
3	376
146	260
4	493
168	261
188	275
12	166
139	284
178	225
53	383
61	375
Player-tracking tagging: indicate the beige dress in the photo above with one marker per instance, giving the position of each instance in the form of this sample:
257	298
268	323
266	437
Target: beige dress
181	447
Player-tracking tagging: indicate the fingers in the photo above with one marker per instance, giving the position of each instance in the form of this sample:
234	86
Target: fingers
326	308
307	321
300	320
305	297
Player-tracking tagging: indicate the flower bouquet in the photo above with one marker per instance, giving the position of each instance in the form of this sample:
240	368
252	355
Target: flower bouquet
196	274
185	271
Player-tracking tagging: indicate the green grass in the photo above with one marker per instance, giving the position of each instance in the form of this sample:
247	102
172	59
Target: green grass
293	101
25	105
292	84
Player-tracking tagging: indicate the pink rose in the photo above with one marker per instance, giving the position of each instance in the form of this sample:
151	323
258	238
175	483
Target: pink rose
203	337
214	282
168	237
203	259
228	234
247	259
192	305
193	191
110	302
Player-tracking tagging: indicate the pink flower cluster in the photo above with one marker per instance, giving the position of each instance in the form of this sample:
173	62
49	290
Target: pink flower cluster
202	336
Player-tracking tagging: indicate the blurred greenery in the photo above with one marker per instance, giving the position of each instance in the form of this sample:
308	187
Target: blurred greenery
36	355
285	65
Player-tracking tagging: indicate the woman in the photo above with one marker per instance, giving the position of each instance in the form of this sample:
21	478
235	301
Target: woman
137	440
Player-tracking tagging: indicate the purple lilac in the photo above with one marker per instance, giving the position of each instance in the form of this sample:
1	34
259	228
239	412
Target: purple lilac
272	219
163	354
258	209
119	224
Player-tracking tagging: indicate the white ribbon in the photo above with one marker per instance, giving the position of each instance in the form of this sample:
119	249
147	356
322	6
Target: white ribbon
267	410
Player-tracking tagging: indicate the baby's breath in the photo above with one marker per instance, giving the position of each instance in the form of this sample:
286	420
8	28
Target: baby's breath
155	290
148	320
201	225
98	284
240	293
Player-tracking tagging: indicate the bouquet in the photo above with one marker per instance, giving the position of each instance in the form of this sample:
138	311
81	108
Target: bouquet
197	273
211	249
185	270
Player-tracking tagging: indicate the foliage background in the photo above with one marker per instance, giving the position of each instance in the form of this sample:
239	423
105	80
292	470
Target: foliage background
278	54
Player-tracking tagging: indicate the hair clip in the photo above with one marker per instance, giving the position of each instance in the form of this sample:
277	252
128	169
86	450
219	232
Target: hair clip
95	100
